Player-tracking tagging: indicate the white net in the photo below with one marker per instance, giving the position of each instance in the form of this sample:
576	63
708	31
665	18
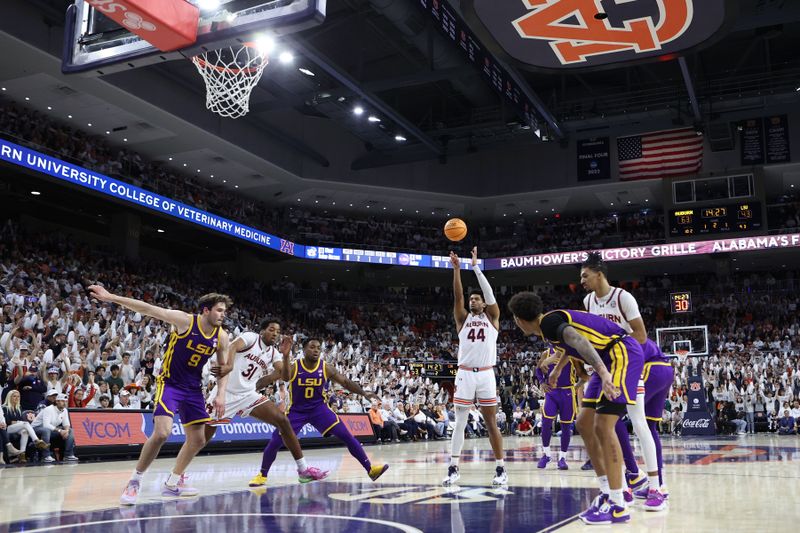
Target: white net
230	75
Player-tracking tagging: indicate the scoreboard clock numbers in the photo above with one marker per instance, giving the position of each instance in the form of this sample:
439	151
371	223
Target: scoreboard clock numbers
681	302
729	218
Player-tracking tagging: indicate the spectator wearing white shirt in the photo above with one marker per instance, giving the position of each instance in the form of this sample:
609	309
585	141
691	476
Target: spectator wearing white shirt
53	422
124	400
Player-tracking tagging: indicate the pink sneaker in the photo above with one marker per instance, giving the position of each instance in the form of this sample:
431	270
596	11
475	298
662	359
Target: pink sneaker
655	501
311	474
130	493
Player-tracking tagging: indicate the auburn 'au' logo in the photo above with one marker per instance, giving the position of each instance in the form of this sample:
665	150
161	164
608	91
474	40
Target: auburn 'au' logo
586	35
581	33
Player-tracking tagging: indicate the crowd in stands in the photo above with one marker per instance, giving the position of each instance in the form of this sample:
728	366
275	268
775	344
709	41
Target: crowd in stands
59	350
518	235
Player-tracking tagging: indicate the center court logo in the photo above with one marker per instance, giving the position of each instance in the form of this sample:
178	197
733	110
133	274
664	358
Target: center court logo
588	33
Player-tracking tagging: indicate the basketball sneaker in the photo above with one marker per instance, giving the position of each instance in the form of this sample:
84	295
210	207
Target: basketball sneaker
598	502
258	481
181	489
377	471
543	461
562	464
628	495
130	493
587	465
636	480
500	478
452	476
655	501
641	493
608	513
311	474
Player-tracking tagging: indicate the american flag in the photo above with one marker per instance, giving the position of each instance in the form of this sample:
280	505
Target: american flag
660	154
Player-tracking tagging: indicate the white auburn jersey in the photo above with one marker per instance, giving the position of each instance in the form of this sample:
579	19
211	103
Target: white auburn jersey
251	363
619	306
477	342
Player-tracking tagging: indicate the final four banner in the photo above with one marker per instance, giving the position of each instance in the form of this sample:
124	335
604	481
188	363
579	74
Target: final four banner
594	162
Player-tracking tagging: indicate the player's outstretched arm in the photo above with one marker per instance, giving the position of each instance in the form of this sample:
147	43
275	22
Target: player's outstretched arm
219	370
335	376
459	310
179	319
285	349
492	309
272	377
222	382
590	355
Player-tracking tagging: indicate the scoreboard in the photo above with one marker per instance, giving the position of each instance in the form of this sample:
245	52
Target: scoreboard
680	302
433	369
728	218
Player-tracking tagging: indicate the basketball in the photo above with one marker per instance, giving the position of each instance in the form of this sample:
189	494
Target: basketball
455	229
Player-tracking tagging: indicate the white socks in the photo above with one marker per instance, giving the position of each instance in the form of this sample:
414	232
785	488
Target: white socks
500	462
603	480
653	482
454	460
301	464
173	479
137	476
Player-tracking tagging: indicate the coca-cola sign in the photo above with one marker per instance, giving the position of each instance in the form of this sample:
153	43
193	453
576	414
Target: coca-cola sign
699	423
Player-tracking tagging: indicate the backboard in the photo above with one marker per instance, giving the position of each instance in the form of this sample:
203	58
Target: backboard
692	341
96	45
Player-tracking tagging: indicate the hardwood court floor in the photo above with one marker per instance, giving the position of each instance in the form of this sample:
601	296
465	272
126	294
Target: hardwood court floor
725	484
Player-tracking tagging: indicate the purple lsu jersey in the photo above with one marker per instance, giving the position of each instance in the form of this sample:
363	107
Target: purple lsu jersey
622	355
653	354
308	398
308	387
186	355
560	401
566	379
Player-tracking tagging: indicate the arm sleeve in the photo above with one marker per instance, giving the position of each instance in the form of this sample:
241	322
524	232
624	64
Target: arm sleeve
586	301
553	325
488	294
629	307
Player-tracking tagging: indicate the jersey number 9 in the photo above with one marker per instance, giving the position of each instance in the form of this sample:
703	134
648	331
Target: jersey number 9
195	359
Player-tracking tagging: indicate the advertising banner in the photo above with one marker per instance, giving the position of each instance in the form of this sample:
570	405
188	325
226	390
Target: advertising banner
126	428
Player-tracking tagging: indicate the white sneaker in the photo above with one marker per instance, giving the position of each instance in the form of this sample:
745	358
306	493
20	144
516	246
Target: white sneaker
49	459
452	476
71	459
130	493
501	478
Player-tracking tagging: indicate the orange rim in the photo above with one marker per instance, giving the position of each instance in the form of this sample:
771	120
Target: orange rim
202	63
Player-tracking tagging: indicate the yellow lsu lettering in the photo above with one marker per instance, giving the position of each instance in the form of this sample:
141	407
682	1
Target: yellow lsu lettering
202	349
309	382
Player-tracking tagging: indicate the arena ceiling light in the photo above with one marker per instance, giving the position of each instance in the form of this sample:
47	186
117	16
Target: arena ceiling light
265	44
36	193
306	72
286	57
49	108
160	230
399	138
373	118
358	110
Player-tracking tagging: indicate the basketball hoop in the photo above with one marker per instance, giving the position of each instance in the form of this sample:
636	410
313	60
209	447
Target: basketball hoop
230	75
682	356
